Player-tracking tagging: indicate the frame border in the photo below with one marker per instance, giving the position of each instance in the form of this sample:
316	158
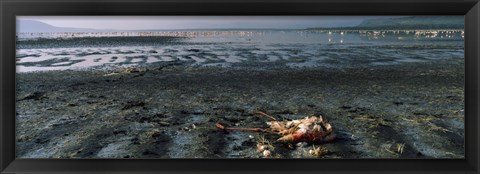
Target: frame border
12	8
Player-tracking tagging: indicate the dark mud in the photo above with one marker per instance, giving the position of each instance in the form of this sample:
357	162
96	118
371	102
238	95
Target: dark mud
97	42
408	110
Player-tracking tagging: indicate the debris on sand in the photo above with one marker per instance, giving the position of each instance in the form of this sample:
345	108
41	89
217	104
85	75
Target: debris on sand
34	96
318	151
265	147
128	70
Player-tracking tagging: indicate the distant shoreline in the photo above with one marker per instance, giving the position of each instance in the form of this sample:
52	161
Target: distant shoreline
382	29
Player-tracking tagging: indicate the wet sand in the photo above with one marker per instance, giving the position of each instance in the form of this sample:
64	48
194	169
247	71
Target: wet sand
168	110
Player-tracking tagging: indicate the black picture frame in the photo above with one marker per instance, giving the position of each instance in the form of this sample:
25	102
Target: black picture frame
11	8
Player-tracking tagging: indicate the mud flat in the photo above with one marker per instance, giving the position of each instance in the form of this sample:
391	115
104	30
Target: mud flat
168	110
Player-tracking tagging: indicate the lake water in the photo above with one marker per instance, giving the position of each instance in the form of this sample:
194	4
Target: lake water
293	48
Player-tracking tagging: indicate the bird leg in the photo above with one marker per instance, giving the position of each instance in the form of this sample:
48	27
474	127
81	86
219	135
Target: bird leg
265	115
218	125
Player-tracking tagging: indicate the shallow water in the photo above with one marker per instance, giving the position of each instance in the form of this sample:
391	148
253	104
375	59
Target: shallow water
294	48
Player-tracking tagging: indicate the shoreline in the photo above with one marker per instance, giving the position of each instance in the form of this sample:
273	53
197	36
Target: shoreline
168	110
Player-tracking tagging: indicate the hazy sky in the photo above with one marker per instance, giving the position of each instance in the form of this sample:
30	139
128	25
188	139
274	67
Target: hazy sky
189	22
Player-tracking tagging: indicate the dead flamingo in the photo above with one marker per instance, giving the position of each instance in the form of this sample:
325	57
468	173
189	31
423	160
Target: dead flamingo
310	129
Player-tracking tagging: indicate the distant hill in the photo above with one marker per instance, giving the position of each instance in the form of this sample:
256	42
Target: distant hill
414	22
36	26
